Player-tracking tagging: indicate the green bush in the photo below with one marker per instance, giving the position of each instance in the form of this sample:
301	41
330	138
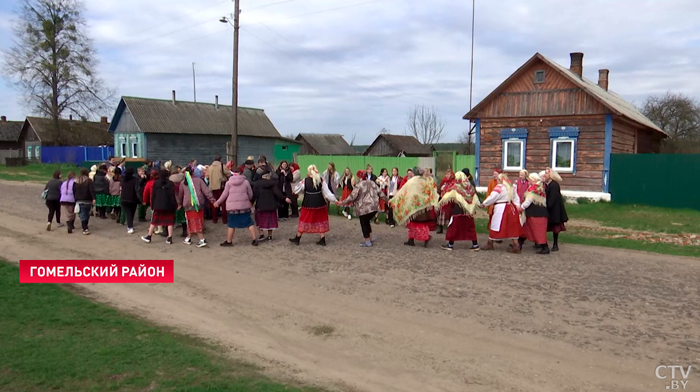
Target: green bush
583	200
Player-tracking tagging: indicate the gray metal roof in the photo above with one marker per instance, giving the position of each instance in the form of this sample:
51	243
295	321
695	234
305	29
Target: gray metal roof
614	102
73	132
327	144
10	131
196	118
408	144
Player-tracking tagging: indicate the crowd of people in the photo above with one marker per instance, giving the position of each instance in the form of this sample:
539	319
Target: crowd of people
255	197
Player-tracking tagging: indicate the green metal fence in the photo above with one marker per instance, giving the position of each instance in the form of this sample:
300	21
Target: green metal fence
465	161
664	180
356	162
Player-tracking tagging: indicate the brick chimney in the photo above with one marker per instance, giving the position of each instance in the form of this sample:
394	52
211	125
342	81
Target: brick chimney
577	64
173	97
3	119
216	102
103	119
603	79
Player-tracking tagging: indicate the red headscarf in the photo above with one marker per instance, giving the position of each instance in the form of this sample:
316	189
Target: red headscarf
360	174
447	182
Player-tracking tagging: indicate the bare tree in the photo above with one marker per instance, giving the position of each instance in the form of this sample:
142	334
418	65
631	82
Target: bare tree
425	124
352	139
468	139
383	131
678	115
291	136
54	63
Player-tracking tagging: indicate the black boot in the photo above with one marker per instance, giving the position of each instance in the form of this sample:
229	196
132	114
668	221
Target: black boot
322	241
410	242
521	241
184	231
425	244
555	248
544	250
295	240
439	230
70	226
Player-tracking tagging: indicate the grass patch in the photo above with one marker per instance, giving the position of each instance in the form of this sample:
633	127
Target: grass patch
322	330
35	172
53	339
644	218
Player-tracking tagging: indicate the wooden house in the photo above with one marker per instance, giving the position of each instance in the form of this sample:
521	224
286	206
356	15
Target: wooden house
161	129
10	144
38	132
546	115
386	145
324	144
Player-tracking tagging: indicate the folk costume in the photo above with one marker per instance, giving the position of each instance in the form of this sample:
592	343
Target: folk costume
383	183
348	184
267	196
414	205
555	207
314	208
492	185
192	193
366	196
505	223
521	186
444	212
394	182
535	207
461	200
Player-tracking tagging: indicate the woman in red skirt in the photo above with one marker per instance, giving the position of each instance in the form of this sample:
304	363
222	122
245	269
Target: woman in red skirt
347	182
313	217
164	205
462	201
505	224
535	207
444	213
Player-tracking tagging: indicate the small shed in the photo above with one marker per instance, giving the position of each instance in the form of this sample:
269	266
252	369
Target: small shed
386	145
10	144
162	129
324	144
40	132
547	115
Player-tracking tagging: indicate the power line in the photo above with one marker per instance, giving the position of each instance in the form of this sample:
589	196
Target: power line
327	73
179	42
269	5
354	73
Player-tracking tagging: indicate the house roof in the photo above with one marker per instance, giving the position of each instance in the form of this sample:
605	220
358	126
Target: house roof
406	144
361	149
73	132
193	118
612	101
327	144
10	130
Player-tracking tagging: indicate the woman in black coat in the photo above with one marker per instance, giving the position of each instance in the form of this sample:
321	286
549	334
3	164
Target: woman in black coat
164	206
555	206
130	198
284	174
267	197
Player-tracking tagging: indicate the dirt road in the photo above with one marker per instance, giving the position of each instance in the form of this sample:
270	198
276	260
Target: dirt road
402	319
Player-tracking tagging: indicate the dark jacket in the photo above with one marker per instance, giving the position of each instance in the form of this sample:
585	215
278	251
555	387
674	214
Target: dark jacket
313	196
130	189
535	211
555	204
285	181
163	196
54	189
267	195
140	187
372	177
101	183
84	192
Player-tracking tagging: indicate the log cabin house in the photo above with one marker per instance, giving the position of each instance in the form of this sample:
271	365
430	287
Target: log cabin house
546	115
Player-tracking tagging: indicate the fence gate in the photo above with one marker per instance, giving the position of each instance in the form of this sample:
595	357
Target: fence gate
443	161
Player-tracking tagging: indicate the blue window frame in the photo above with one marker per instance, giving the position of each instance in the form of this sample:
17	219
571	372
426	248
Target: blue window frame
564	147
514	143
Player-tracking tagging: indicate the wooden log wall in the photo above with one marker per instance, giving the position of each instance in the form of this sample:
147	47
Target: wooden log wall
590	151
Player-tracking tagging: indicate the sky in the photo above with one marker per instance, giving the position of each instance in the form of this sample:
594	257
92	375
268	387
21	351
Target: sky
354	67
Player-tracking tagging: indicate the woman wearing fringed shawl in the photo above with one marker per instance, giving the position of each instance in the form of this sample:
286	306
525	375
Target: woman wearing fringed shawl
555	206
443	216
461	200
505	224
314	208
191	196
535	207
414	206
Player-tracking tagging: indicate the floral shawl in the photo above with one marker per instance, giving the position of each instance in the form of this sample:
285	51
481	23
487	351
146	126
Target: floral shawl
417	196
536	193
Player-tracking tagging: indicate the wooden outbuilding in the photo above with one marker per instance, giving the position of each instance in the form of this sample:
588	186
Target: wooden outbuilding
547	115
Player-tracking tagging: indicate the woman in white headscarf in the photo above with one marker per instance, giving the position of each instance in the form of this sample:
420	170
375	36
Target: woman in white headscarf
505	224
535	207
313	217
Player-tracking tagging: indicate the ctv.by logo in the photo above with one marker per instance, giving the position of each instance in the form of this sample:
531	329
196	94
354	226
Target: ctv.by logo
662	373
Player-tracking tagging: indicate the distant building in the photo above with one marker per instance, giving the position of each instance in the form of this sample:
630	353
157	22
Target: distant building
324	144
161	129
10	144
361	149
38	132
546	115
386	145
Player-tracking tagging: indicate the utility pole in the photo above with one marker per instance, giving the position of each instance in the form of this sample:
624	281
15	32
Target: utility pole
194	84
234	111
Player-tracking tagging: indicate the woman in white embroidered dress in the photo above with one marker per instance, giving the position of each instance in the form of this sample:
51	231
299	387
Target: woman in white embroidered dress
505	224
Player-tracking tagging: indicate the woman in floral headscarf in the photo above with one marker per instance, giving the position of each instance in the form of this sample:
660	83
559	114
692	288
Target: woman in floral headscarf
414	206
535	207
505	224
314	207
461	200
444	213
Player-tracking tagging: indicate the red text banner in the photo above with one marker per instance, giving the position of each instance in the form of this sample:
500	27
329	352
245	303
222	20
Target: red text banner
96	271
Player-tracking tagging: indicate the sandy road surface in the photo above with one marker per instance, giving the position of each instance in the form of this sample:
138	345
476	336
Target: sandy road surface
405	319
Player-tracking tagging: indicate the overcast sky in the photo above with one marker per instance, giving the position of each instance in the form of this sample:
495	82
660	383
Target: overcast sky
356	66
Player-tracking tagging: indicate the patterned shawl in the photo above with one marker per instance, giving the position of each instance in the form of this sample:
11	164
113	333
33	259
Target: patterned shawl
536	193
418	195
462	193
193	194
